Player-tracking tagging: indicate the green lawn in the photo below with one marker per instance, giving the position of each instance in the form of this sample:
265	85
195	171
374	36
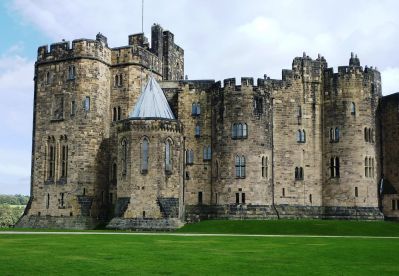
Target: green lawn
171	255
74	254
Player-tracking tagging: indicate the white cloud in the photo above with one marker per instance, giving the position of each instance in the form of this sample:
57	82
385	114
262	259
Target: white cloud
390	80
16	92
231	38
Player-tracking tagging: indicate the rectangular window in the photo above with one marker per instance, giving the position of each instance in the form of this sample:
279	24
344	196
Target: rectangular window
258	105
393	204
356	192
87	104
73	108
199	197
237	198
51	169
397	204
243	198
283	192
62	199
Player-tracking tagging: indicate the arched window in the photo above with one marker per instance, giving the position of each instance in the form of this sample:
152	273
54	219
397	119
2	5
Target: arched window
301	173
64	160
168	156
336	134
51	158
296	172
353	108
119	113
124	157
303	136
144	155
48	201
197	131
244	130
114	114
369	134
48	78
71	72
332	135
372	135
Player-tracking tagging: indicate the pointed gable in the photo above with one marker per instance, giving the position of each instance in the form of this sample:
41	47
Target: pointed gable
152	103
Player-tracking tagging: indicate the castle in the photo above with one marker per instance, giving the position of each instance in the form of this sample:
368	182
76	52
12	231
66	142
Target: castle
121	138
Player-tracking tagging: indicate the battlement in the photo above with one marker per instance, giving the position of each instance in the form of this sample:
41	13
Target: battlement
164	57
150	124
139	40
80	48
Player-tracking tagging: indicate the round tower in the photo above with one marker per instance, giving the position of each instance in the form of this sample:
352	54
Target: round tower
351	141
149	164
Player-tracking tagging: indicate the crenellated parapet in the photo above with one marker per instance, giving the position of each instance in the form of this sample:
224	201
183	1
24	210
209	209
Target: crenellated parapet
80	48
150	125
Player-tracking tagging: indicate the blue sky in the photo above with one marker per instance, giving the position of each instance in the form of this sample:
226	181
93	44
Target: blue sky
221	39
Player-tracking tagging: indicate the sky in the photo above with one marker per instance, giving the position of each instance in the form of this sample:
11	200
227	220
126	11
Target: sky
221	39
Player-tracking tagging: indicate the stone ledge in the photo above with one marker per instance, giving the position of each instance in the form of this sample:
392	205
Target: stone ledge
143	224
195	213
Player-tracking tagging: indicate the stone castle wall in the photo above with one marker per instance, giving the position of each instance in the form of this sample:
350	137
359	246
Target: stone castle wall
279	166
390	152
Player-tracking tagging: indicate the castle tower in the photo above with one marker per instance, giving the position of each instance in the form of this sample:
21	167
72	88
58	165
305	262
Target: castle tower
69	168
150	164
242	145
297	138
351	141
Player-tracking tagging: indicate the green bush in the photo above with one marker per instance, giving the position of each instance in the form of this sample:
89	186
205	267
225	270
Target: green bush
9	215
14	199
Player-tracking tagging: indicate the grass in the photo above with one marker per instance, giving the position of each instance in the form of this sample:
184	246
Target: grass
171	255
61	254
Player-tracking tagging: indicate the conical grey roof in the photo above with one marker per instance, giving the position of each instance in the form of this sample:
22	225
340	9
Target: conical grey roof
152	103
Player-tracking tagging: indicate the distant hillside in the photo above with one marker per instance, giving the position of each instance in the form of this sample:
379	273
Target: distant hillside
14	199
